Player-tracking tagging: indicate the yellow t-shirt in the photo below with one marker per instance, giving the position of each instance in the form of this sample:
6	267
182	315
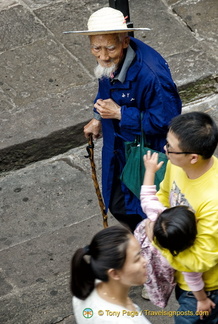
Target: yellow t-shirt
201	195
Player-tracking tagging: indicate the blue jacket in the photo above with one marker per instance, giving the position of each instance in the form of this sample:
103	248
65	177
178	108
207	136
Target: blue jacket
148	87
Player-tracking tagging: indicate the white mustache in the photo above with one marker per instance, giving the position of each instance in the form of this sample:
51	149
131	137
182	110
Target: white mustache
102	71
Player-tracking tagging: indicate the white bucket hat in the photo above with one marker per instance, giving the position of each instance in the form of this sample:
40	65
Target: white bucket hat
106	21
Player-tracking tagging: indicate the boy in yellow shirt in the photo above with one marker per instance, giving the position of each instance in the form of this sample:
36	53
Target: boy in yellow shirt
191	179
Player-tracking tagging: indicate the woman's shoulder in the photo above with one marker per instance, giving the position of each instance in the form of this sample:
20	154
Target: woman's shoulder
99	311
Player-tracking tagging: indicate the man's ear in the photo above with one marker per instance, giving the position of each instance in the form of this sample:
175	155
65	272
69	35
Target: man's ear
126	42
194	158
113	274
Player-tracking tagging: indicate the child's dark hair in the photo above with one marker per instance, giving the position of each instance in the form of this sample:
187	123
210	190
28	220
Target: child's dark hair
175	229
107	250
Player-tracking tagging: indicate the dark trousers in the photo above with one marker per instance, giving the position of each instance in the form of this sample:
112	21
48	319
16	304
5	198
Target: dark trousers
117	205
186	313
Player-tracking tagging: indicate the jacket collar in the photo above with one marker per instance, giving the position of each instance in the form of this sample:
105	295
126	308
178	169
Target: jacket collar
130	55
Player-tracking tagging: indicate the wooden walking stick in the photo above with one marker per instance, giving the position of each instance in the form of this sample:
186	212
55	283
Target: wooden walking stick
90	150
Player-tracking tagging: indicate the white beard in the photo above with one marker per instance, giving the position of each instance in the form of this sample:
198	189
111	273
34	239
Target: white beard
102	71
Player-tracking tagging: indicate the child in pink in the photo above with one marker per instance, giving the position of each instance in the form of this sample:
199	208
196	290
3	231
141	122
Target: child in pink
173	228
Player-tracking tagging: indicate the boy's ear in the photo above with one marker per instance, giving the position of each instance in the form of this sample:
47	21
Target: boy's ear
194	158
113	274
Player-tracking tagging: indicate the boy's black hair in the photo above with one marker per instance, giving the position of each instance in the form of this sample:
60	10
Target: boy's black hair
196	132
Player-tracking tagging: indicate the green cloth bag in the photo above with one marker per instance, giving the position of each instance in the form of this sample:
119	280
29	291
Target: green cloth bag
133	172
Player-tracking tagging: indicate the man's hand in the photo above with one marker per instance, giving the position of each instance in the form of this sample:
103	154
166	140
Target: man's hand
93	128
108	109
204	307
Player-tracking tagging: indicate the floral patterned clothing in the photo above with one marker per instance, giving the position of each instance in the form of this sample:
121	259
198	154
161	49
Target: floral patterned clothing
160	282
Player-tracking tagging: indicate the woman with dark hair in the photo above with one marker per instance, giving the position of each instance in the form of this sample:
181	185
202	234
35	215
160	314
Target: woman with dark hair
102	274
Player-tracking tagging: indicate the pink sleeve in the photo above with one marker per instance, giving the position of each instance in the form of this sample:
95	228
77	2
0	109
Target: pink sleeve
194	280
150	204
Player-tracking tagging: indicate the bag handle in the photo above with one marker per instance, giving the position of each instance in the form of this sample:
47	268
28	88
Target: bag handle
142	137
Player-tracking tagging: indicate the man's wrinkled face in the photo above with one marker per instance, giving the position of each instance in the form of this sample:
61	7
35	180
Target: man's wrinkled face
108	49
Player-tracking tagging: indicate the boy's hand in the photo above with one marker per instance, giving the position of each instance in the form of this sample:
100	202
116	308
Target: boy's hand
151	167
151	162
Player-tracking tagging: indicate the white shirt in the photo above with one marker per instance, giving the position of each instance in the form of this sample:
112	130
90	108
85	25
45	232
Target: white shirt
95	310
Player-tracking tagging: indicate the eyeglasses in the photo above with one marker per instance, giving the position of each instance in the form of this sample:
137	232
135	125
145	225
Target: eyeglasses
171	152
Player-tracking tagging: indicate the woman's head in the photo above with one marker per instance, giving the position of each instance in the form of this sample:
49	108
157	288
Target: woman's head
112	248
175	229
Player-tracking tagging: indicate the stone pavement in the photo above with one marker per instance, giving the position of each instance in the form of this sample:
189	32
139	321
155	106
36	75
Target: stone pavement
48	205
